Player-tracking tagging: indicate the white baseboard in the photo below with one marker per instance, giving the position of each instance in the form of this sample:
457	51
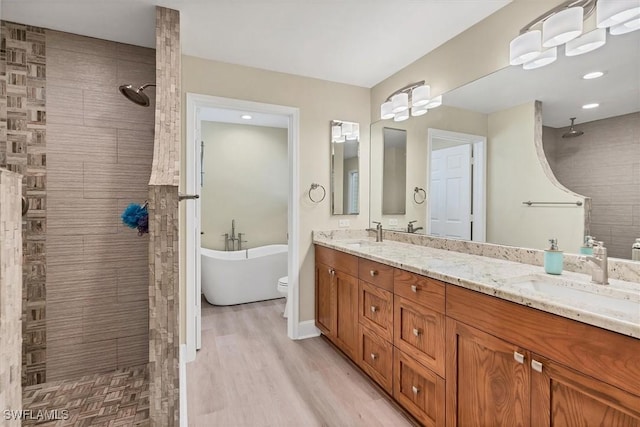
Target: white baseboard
183	386
307	329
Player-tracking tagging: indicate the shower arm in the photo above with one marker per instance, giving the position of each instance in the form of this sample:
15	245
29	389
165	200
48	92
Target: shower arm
146	85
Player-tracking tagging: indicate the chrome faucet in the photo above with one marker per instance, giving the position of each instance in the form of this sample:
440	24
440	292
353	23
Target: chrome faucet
378	230
599	264
411	228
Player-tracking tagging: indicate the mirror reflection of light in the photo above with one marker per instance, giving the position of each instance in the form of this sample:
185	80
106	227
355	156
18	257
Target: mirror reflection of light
593	75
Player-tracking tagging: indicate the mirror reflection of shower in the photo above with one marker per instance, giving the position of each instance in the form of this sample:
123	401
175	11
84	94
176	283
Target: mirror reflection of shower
136	95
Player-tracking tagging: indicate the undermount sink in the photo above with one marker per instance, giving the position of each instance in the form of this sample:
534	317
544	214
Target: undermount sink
571	292
358	243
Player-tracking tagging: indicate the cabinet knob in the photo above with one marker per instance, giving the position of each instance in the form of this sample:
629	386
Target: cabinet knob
536	366
374	308
417	332
519	357
373	273
332	271
414	288
415	390
374	356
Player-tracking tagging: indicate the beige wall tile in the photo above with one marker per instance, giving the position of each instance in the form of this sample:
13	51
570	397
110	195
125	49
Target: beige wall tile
137	73
133	281
80	287
64	178
81	44
64	105
84	217
81	70
115	321
103	180
129	52
133	351
123	247
79	143
65	327
111	109
72	359
64	250
135	146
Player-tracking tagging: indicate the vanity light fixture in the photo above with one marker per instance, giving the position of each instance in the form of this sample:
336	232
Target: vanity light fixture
614	12
343	131
355	132
593	75
545	58
625	28
590	106
246	117
412	100
562	26
586	42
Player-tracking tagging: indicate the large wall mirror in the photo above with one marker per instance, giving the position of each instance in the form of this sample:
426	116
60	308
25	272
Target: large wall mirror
580	180
345	168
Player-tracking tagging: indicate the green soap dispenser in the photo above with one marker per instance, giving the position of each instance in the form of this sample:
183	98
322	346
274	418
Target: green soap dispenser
587	247
553	258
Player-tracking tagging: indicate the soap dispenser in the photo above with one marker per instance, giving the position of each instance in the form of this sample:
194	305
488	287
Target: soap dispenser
587	247
553	258
635	251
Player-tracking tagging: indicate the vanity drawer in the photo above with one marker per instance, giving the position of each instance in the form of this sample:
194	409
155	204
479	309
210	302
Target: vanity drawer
375	357
376	273
418	390
336	259
419	332
376	309
424	290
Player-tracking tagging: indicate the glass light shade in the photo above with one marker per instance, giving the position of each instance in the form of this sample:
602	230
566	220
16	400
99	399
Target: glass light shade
545	58
355	132
525	47
434	102
420	95
586	42
347	128
400	102
419	111
336	131
340	139
386	111
401	116
625	28
562	27
614	12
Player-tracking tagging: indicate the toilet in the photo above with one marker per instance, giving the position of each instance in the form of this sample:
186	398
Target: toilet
283	288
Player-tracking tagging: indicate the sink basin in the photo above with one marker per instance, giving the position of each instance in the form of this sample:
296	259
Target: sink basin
358	243
600	298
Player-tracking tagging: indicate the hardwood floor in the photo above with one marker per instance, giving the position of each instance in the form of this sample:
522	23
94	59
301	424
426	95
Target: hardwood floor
249	373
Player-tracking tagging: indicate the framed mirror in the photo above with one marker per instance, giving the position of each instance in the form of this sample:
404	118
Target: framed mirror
580	180
345	168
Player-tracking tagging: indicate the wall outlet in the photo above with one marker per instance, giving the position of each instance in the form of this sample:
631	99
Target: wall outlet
393	221
343	223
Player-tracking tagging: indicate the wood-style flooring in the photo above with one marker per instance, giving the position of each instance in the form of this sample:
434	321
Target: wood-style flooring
249	373
117	398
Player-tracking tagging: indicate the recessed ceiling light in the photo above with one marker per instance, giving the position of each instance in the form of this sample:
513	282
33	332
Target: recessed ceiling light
246	117
590	106
593	75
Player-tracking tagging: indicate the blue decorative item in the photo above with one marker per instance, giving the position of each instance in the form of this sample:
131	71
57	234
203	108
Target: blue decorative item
136	216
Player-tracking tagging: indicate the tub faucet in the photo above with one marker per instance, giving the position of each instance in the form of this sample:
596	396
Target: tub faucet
599	264
411	228
240	242
233	229
378	230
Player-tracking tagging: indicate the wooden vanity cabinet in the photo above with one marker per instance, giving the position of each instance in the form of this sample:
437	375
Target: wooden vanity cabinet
337	298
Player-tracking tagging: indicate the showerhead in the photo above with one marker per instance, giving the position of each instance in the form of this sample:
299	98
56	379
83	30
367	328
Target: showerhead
572	133
136	95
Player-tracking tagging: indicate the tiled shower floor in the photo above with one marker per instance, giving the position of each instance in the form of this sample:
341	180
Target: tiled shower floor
119	398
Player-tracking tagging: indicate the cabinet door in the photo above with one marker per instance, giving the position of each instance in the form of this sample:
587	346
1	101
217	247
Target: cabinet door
561	396
375	357
325	300
376	309
488	379
346	332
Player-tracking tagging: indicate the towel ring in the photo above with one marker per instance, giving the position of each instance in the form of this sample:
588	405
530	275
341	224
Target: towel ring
315	186
416	192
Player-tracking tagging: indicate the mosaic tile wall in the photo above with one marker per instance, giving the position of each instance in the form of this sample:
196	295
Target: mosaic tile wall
23	150
10	294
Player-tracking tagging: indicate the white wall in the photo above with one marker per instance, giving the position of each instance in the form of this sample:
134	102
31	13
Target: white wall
515	174
246	179
319	102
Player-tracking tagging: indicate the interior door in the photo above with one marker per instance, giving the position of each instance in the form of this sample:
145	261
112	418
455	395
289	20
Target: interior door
197	235
450	189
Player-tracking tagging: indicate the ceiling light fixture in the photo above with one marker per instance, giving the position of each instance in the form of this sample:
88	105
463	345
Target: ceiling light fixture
615	12
590	106
563	24
246	117
625	28
412	100
593	75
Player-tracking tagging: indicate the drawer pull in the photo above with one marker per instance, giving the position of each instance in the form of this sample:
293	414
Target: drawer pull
415	390
414	288
374	308
373	273
519	357
417	332
374	356
537	366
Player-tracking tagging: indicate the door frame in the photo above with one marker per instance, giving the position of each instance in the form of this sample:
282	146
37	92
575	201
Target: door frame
479	178
195	102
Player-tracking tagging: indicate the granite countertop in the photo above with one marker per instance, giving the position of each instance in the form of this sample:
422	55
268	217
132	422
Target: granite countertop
615	307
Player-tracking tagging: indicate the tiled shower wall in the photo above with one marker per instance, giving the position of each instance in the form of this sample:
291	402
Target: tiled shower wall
99	153
23	150
603	164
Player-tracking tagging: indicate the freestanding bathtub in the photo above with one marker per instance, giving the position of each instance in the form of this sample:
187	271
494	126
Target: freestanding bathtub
238	277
